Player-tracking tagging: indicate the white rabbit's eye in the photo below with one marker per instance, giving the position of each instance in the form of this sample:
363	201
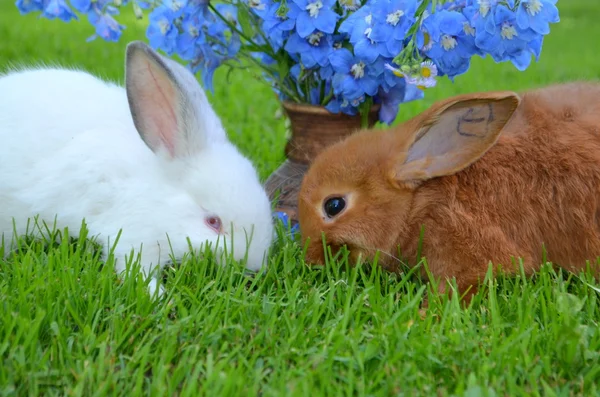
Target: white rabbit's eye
214	222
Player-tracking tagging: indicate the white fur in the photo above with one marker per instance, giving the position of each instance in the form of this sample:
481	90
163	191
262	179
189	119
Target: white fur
70	149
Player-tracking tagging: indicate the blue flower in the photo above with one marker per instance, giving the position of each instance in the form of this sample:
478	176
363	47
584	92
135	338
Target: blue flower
206	61
387	79
349	5
344	66
27	6
51	9
535	46
356	23
278	20
315	15
106	27
354	77
189	35
261	56
342	105
314	49
452	41
392	20
258	7
295	229
326	72
162	32
285	220
145	4
300	75
507	41
176	5
228	11
481	15
58	9
391	100
82	5
359	26
537	15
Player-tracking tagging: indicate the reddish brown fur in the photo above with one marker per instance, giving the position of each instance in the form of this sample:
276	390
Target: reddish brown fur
539	185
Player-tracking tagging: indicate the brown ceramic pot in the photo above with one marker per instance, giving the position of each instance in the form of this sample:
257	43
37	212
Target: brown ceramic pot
313	129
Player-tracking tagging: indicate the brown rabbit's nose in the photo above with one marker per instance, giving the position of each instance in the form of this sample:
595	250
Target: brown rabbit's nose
315	255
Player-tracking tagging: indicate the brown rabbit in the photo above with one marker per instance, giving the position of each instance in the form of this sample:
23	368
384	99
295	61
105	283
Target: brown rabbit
490	176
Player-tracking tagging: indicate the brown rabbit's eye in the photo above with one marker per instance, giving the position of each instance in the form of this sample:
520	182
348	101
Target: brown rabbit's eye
334	206
214	222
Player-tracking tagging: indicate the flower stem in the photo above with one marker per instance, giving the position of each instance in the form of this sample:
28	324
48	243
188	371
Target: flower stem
236	30
327	98
282	87
365	110
322	93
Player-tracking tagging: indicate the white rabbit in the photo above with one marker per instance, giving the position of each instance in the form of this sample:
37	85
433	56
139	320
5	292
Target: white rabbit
71	151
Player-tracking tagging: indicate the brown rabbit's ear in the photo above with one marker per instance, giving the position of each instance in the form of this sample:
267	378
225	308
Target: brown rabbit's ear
456	135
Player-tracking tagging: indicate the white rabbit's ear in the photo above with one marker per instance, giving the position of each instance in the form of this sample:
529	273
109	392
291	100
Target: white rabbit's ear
169	108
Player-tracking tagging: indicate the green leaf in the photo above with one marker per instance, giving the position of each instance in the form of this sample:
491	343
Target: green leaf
245	20
568	304
284	67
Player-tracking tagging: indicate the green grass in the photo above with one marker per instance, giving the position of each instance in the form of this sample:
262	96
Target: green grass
69	326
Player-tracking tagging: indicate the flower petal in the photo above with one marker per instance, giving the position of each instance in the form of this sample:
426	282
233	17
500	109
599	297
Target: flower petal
521	60
451	22
304	25
326	21
365	50
341	60
369	85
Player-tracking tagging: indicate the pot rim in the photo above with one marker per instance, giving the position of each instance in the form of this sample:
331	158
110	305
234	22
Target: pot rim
318	109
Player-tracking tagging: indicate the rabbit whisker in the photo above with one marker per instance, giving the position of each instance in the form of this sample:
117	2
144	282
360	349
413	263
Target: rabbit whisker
381	251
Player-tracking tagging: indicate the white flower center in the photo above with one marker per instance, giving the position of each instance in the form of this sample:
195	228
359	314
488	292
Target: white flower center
428	70
164	26
468	29
351	5
358	70
356	102
368	32
508	32
229	16
394	17
177	5
258	4
313	8
448	42
315	38
484	7
369	19
533	7
193	31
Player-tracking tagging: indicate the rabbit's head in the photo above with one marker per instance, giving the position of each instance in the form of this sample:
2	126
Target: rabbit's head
360	192
221	199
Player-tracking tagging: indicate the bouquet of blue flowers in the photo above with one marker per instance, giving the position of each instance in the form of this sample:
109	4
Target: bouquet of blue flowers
345	55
